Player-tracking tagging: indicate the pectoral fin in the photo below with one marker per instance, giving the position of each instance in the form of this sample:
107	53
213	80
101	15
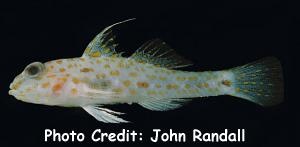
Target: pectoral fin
99	88
104	115
163	104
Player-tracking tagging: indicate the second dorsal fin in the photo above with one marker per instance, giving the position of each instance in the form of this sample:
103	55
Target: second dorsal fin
158	53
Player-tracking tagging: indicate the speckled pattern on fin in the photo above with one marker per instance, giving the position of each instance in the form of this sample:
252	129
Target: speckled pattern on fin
103	45
104	115
158	53
260	82
163	104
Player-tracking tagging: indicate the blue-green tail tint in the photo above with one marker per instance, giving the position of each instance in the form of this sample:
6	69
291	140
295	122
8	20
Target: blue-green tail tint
260	82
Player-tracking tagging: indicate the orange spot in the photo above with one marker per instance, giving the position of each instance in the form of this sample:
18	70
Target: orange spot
126	83
62	69
56	87
96	54
142	84
172	86
106	66
133	74
45	85
82	59
169	86
226	83
70	66
74	91
114	73
100	76
58	61
86	70
205	85
64	79
75	80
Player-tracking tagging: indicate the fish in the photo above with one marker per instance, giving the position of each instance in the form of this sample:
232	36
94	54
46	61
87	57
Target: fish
150	77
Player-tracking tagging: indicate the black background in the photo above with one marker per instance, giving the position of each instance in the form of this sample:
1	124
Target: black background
214	35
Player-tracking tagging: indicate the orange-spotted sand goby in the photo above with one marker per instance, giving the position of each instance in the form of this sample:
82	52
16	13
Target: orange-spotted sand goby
101	76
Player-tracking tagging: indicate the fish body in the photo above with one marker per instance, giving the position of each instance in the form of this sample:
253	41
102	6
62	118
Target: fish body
148	77
109	80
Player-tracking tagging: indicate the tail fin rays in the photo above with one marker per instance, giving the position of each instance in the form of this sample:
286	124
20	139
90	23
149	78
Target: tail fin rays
260	82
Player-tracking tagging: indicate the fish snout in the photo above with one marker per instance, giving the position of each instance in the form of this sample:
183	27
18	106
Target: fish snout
14	86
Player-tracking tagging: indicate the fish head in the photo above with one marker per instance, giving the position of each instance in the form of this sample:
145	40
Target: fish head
25	86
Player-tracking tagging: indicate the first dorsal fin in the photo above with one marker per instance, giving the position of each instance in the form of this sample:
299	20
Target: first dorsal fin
103	45
158	53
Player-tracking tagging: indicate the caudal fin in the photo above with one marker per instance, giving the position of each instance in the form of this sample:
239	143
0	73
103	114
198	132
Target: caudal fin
260	82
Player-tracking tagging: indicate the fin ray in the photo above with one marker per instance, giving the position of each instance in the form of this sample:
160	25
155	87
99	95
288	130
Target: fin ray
98	89
165	104
103	45
260	82
158	53
104	114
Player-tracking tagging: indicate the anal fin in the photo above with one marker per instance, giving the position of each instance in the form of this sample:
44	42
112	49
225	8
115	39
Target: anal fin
103	114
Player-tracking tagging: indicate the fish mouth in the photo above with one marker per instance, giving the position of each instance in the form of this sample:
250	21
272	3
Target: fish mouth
12	92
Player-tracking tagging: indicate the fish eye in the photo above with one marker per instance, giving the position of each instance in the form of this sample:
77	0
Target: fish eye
34	69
